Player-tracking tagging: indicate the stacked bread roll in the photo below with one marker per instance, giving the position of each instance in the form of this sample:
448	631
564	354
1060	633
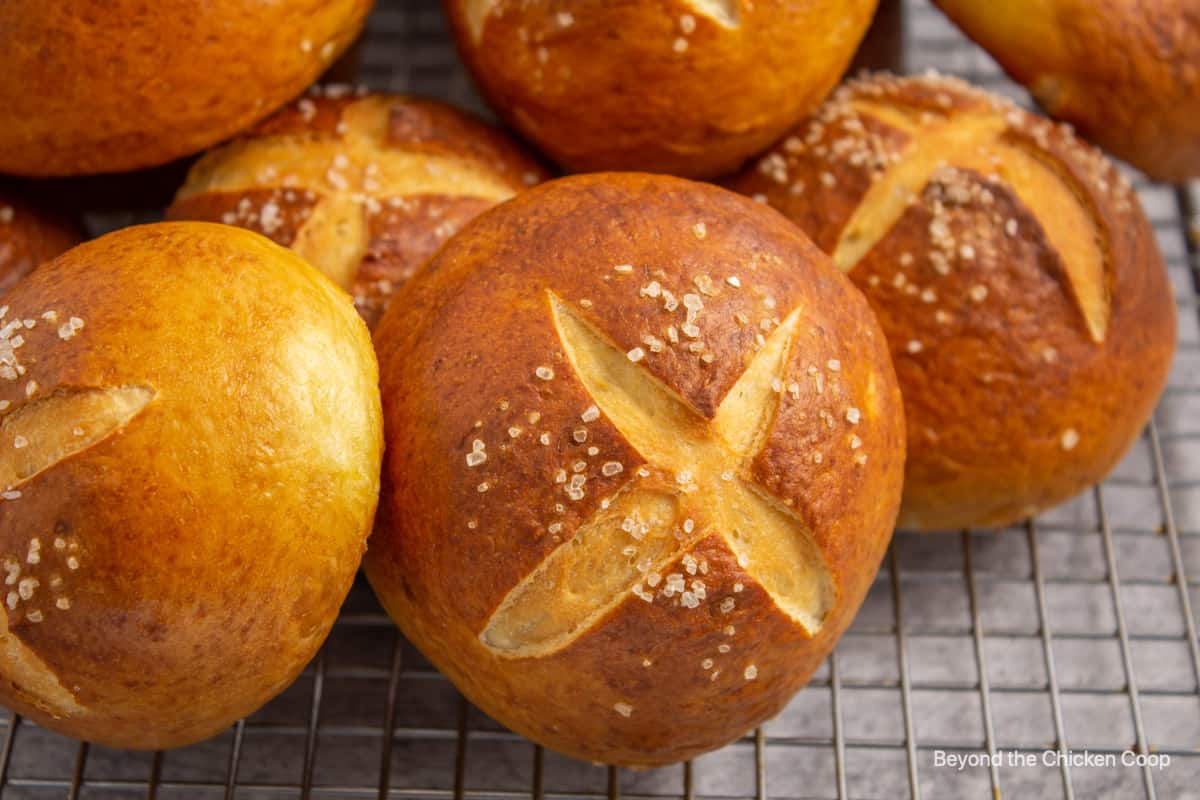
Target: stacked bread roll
689	87
364	186
1014	274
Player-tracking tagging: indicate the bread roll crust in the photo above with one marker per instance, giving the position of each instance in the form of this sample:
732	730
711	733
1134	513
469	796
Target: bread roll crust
1126	74
90	86
30	235
486	345
687	87
365	186
197	471
1019	285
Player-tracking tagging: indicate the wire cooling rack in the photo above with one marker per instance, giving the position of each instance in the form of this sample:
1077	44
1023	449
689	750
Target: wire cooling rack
1075	630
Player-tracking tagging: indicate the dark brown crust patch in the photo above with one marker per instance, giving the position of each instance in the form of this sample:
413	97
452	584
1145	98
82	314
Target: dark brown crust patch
402	235
430	127
278	214
30	236
317	114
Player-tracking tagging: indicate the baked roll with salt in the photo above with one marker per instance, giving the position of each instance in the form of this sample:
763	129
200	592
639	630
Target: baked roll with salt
365	186
190	442
686	87
1125	73
1014	273
644	457
29	235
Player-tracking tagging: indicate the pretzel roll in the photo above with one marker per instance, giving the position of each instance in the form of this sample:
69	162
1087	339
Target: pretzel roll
1014	273
1125	73
90	86
365	187
190	440
644	456
30	235
688	87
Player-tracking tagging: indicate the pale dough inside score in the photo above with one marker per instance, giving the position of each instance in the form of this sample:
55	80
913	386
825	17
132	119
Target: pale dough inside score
33	439
723	12
979	142
696	483
42	433
726	13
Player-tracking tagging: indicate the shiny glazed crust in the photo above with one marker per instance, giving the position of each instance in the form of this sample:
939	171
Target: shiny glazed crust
1125	73
687	87
189	450
1019	285
90	86
365	186
507	443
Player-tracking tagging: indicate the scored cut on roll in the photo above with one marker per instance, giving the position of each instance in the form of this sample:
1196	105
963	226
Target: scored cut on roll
1014	273
190	440
365	186
638	488
29	235
1126	74
687	87
98	86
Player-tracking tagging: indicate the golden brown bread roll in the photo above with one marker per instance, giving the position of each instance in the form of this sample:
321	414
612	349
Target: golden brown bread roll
689	87
1125	73
644	456
189	457
366	187
30	235
91	86
1014	274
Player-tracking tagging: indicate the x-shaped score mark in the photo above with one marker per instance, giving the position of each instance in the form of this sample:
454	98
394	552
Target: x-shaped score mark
345	172
35	438
981	142
696	483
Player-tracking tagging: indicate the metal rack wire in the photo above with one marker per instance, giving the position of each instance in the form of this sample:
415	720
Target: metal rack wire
1075	630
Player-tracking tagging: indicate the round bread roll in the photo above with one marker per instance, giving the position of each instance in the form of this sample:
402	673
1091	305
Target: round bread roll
366	187
189	456
30	235
644	456
1014	273
688	87
1125	73
90	86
